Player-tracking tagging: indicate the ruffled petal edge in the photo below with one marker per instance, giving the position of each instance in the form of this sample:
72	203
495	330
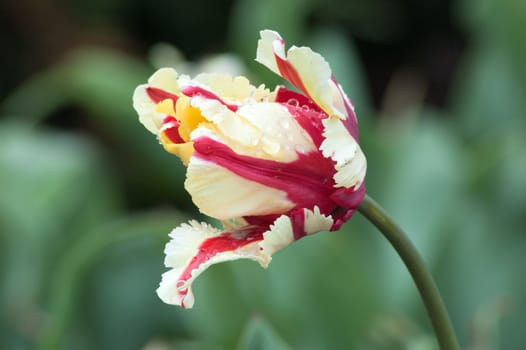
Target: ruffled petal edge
196	246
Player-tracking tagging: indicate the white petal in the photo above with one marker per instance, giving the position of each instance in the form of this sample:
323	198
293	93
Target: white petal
265	51
221	194
316	221
279	236
341	147
188	245
281	233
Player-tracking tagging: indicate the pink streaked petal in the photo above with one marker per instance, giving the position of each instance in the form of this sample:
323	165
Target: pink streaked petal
351	123
305	69
171	130
285	95
195	247
310	121
223	194
162	85
271	53
348	200
307	180
158	95
289	72
192	91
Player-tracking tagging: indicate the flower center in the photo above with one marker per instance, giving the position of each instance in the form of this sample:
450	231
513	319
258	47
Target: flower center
188	116
178	125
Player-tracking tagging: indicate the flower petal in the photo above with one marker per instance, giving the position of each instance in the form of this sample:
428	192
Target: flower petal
161	85
232	90
264	130
307	71
306	181
222	194
194	247
341	147
285	229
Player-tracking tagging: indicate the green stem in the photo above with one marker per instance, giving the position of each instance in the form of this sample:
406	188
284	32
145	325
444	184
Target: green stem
415	264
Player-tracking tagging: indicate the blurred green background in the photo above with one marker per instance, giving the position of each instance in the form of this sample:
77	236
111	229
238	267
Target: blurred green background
87	196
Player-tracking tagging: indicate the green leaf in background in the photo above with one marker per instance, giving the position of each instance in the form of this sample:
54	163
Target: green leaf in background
98	78
499	23
259	335
488	97
251	16
416	170
102	83
53	187
114	270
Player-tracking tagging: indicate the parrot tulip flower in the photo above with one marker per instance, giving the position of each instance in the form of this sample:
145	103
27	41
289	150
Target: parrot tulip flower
272	166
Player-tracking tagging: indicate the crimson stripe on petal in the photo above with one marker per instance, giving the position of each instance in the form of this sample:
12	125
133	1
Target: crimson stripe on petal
350	123
310	121
211	247
191	91
290	73
289	96
297	219
158	95
348	199
308	181
171	130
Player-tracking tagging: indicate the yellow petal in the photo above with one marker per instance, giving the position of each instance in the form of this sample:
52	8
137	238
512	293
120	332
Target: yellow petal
166	107
183	150
189	117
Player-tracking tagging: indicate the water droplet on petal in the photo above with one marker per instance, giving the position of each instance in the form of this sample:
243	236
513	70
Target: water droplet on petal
293	102
270	146
300	149
285	123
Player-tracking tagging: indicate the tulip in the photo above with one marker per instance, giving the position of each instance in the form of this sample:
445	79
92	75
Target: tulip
271	166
